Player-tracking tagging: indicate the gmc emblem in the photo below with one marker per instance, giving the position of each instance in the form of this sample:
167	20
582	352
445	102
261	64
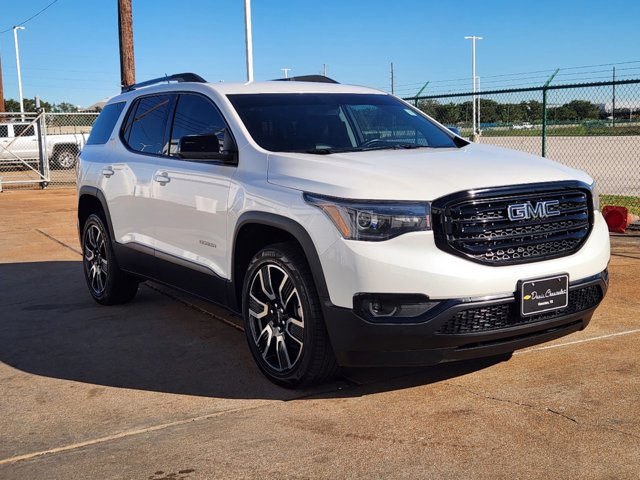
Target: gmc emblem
528	210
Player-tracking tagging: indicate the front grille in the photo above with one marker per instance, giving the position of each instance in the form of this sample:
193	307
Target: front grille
477	225
506	315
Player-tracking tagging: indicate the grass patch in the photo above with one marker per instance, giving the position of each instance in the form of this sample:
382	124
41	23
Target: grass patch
564	131
632	203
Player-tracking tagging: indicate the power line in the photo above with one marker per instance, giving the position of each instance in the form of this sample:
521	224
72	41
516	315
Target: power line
30	18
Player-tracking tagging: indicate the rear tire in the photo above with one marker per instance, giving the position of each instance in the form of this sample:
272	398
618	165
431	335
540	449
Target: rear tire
107	284
284	325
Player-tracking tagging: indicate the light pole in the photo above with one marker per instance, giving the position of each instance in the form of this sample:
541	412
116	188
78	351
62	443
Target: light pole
248	35
473	39
479	105
15	41
286	72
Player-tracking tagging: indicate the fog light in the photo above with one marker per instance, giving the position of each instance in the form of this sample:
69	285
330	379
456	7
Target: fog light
391	307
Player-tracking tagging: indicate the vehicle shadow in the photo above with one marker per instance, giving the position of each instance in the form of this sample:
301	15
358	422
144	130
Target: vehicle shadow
50	326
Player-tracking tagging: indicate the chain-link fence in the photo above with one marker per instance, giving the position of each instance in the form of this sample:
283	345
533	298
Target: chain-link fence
41	149
594	127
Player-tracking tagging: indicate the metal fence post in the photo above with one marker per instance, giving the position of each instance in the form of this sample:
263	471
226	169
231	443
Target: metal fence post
419	92
43	166
544	121
545	87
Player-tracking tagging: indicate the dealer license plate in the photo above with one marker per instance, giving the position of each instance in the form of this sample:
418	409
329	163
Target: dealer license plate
544	294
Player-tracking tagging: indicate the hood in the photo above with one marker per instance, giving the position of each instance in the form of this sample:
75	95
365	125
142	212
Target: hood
420	174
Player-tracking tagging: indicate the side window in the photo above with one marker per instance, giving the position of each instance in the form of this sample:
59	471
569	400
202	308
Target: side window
20	130
146	126
196	115
103	126
4	131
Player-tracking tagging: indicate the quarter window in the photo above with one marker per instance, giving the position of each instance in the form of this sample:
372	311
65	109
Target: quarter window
102	128
146	127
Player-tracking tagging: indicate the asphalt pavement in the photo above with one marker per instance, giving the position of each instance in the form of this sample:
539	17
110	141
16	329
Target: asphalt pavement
165	387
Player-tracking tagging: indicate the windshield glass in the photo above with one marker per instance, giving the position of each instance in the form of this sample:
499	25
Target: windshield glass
325	123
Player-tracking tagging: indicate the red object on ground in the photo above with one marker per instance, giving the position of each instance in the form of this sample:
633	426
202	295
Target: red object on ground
617	218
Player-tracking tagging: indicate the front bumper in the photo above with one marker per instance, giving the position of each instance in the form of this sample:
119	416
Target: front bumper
458	329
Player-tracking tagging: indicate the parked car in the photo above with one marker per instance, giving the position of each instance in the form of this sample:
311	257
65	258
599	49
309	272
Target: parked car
343	224
19	145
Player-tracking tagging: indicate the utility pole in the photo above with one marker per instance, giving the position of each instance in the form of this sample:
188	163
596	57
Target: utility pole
1	89
324	69
125	31
286	72
393	84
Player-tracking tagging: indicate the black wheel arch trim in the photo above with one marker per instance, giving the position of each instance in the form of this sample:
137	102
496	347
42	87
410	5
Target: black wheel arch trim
297	231
97	193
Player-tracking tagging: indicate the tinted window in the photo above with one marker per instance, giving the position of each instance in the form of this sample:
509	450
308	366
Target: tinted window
326	122
195	115
104	124
20	130
146	127
4	131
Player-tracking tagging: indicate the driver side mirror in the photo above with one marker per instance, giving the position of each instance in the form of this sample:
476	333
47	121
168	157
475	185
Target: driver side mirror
204	147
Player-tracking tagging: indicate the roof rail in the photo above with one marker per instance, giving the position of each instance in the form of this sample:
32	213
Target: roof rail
307	78
177	77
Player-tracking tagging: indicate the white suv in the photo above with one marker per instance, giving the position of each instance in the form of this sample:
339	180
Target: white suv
347	227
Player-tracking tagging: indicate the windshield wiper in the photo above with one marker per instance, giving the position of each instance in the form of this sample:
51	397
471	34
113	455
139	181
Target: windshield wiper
320	151
394	146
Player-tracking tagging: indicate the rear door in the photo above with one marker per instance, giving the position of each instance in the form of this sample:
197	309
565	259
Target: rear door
127	176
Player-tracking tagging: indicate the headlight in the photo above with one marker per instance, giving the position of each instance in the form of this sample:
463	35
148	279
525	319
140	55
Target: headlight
595	196
373	220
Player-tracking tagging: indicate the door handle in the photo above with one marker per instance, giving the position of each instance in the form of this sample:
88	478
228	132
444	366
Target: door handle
162	178
107	171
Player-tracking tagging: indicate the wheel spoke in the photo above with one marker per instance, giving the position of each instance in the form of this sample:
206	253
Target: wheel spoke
92	277
91	240
286	290
100	281
265	283
89	255
283	353
257	309
295	330
263	341
103	264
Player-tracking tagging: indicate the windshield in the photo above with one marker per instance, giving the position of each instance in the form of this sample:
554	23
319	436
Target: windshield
325	123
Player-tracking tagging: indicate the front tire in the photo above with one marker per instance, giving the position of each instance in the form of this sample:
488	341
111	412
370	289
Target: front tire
283	320
107	284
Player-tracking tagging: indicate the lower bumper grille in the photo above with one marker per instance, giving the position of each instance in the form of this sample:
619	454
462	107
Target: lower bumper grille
506	315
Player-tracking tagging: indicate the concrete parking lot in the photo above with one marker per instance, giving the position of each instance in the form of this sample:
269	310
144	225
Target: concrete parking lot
166	388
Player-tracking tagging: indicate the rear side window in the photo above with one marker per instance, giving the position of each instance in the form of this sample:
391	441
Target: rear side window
104	124
195	115
146	127
4	131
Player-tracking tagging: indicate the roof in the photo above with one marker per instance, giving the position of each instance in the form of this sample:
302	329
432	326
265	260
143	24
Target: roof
288	87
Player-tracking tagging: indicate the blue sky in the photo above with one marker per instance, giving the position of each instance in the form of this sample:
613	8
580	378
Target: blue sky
70	52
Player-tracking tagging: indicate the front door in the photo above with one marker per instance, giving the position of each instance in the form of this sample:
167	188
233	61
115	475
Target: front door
191	196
